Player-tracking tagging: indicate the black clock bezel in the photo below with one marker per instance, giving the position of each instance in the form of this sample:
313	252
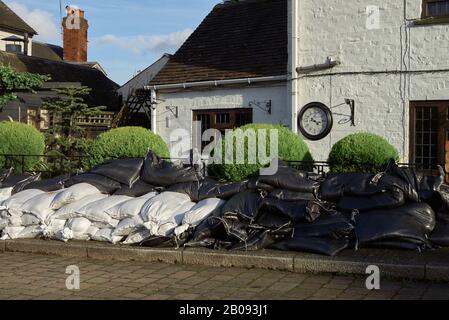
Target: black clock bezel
330	121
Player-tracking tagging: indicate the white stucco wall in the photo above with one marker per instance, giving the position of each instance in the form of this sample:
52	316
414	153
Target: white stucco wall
339	29
220	98
5	34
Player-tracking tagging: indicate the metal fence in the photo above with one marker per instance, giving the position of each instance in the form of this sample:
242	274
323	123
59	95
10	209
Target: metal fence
53	165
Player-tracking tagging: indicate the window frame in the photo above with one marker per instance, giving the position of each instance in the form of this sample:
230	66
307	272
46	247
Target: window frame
425	15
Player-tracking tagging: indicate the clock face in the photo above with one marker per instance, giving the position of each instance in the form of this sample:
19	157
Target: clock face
315	121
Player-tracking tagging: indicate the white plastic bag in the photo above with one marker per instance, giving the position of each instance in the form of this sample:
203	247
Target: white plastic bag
130	208
137	237
128	226
70	211
73	194
97	211
165	212
198	213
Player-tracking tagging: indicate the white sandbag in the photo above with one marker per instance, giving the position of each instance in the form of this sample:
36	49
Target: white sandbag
165	212
165	202
78	225
29	219
4	223
137	237
15	221
64	235
128	226
5	194
130	208
92	231
40	205
105	235
70	211
198	213
31	232
73	194
97	211
56	225
11	233
17	200
4	214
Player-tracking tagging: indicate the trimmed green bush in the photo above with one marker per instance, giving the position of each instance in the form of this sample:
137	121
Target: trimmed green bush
362	152
126	142
290	148
20	139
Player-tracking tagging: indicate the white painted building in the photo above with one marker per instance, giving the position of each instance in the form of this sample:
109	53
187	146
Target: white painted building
394	64
386	59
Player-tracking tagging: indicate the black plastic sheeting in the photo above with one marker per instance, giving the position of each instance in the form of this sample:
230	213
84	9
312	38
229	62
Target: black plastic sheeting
291	210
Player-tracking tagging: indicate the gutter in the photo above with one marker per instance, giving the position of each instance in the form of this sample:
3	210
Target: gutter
216	83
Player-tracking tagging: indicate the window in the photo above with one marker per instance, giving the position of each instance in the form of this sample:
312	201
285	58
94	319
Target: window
435	9
429	134
14	48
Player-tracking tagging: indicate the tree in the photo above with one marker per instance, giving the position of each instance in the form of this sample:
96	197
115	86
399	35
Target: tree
65	135
12	82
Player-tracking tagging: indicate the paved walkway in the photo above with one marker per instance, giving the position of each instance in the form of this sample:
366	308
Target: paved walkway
26	276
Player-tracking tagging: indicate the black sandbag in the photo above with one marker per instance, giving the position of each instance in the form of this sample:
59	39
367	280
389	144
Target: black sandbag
329	247
21	184
14	179
287	195
236	228
271	219
138	189
210	243
440	236
49	185
258	241
406	244
414	221
336	186
244	205
386	200
158	172
105	185
291	179
210	228
402	178
294	211
159	242
125	171
332	226
222	191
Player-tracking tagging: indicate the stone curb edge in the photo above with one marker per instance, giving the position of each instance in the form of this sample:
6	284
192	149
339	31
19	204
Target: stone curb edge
270	260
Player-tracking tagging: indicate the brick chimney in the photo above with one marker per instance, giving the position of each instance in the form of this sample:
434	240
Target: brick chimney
75	35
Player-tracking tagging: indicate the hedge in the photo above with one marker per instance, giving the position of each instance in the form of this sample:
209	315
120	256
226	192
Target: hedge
126	142
290	148
20	139
362	152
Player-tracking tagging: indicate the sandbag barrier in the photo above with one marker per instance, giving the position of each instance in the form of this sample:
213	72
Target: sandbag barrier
154	203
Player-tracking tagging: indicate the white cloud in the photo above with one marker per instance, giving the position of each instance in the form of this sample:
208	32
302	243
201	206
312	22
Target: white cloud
42	21
140	45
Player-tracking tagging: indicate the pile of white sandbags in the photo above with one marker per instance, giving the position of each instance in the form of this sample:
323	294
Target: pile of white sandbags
83	213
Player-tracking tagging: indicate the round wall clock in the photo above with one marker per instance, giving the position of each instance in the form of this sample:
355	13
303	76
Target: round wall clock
315	121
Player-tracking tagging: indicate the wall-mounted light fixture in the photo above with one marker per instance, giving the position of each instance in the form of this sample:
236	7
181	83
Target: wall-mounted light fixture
262	105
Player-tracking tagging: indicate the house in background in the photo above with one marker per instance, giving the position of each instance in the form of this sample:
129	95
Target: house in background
231	71
66	66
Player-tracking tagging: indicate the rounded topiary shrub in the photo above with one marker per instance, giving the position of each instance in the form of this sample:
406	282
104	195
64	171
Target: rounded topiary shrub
18	139
290	148
126	142
362	152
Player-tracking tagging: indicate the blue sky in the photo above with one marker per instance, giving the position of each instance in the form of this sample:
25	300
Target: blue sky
124	35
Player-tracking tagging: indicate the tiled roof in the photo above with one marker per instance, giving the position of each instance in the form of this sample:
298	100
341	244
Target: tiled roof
103	89
47	51
11	21
247	39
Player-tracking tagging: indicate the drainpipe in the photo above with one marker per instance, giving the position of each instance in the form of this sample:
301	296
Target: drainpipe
294	57
153	111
